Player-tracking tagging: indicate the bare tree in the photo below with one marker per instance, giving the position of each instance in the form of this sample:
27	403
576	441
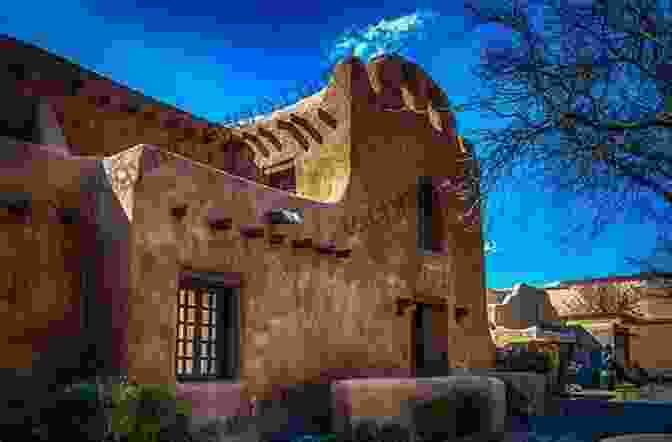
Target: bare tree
598	298
588	102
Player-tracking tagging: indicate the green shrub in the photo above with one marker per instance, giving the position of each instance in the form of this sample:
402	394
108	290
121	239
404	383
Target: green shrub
141	413
440	407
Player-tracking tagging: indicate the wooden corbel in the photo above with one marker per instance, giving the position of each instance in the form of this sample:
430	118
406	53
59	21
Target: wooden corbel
221	223
304	243
461	312
252	231
179	212
405	305
343	253
277	238
325	249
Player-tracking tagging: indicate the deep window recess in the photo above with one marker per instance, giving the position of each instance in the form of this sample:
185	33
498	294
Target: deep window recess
285	180
18	117
430	230
207	332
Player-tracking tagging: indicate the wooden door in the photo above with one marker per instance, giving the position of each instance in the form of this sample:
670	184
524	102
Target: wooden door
430	341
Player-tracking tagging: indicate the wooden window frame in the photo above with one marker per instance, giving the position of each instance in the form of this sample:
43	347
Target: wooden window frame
223	350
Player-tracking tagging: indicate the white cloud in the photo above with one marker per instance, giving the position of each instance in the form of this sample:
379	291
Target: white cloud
388	35
490	247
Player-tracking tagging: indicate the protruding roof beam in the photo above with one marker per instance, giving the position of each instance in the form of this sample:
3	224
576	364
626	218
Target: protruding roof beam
294	132
259	146
327	118
305	124
271	137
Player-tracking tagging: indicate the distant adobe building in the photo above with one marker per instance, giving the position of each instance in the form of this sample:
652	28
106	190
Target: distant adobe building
639	338
310	245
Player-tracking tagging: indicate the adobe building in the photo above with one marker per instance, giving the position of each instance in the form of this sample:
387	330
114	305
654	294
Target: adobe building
520	307
310	245
635	338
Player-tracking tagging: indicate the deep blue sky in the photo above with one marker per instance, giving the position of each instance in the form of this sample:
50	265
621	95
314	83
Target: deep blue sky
213	59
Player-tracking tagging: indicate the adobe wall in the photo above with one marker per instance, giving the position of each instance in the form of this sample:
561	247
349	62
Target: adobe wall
503	315
648	348
295	303
40	295
364	161
91	115
40	255
304	313
656	306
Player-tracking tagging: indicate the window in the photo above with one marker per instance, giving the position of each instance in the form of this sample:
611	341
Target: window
285	179
207	331
18	118
430	218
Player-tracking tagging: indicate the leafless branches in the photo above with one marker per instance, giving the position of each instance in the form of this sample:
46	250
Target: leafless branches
587	103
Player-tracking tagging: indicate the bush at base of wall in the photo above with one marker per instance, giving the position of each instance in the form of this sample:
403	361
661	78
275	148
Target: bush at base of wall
147	412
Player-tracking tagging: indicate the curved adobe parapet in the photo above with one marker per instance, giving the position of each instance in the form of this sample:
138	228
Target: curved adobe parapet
400	84
314	135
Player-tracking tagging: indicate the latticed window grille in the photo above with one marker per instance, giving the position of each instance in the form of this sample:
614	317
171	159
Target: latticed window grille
207	332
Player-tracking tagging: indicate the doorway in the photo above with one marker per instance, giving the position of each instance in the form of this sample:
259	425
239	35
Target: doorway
622	348
430	340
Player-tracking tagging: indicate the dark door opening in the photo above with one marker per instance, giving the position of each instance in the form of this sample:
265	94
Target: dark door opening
429	331
622	348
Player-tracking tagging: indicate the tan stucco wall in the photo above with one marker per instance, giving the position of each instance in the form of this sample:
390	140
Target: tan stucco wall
649	347
39	291
656	307
303	313
502	315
